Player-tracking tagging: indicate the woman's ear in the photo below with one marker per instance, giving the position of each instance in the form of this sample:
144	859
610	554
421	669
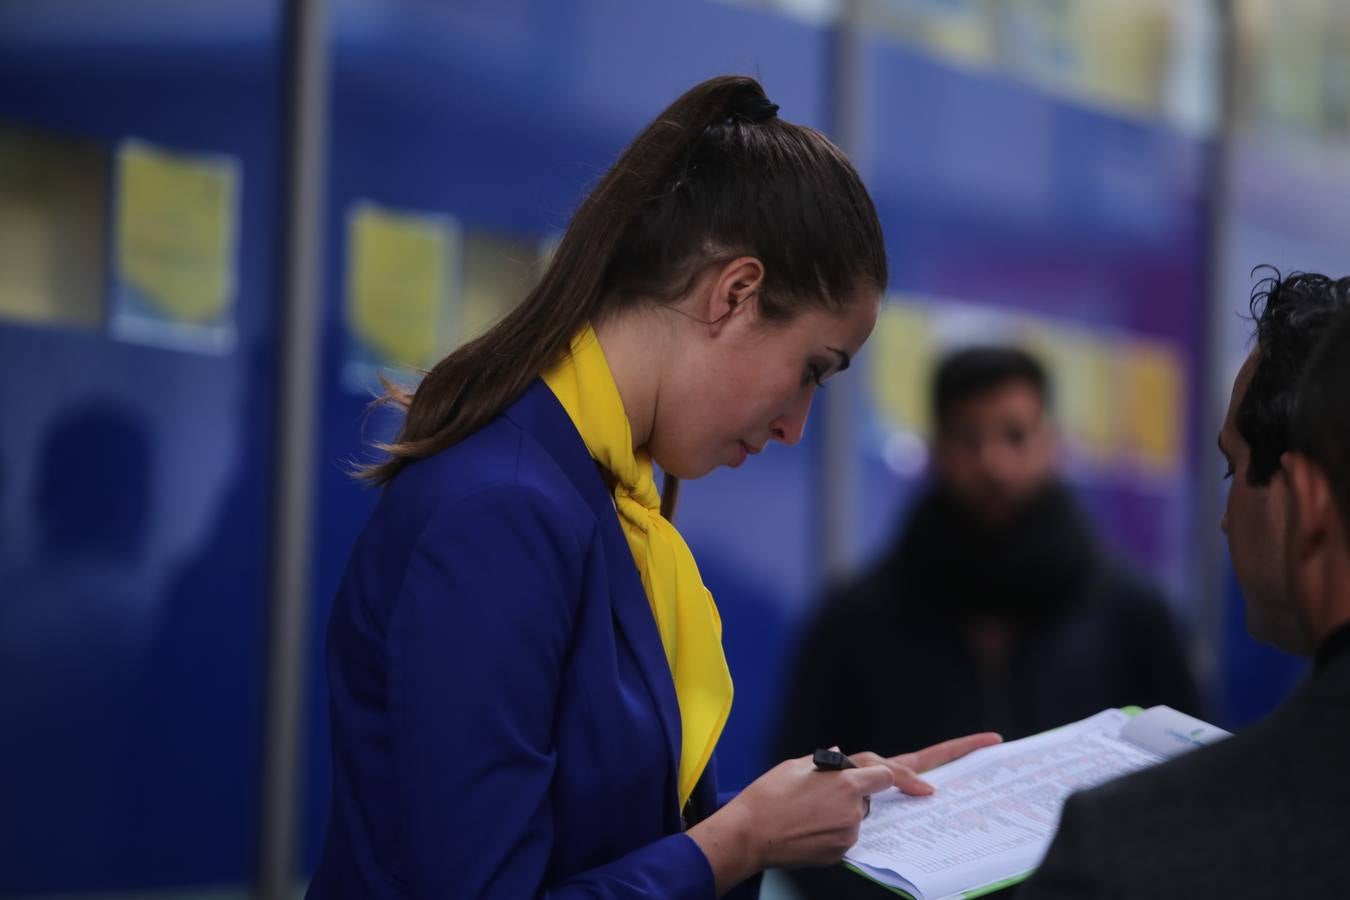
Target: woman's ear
734	287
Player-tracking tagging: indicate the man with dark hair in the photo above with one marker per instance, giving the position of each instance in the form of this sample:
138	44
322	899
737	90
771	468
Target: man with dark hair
995	447
995	610
1263	814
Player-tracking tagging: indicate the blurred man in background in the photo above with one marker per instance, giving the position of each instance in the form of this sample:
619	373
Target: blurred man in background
1263	814
995	609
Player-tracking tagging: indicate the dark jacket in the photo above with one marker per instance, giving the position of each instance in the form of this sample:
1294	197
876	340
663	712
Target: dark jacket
1260	815
890	664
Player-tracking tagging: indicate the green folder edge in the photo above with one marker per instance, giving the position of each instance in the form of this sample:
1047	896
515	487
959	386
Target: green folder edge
1130	711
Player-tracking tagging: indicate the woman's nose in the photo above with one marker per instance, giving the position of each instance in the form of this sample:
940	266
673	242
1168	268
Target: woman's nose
789	428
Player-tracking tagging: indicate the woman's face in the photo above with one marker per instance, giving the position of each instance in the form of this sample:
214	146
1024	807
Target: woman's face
733	389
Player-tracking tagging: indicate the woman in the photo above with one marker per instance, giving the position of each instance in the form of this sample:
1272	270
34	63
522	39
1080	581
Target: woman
526	669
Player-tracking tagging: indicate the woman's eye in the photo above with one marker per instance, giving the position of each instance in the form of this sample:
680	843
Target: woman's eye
813	373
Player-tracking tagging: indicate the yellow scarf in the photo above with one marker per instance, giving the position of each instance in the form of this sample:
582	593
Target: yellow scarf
686	617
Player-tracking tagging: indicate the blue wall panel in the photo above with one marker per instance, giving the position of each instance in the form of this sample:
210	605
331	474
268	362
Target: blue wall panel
136	482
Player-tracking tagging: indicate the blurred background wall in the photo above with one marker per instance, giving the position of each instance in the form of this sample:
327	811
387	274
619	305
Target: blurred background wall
1093	178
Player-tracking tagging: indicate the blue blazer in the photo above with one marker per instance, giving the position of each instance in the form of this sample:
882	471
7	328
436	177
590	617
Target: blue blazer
504	720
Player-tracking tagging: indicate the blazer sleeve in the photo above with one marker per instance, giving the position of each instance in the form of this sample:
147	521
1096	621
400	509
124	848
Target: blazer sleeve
476	646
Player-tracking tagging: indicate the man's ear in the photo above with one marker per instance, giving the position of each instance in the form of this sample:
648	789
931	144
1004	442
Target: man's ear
1310	505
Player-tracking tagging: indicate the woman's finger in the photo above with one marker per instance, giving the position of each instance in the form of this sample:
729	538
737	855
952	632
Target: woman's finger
908	781
945	752
903	775
870	779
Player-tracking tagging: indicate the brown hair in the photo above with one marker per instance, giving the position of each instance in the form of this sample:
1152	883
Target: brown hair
717	175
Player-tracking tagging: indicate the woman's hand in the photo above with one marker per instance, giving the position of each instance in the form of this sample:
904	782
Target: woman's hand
906	767
791	815
794	815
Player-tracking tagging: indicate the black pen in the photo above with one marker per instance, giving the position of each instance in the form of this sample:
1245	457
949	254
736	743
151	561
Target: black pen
832	761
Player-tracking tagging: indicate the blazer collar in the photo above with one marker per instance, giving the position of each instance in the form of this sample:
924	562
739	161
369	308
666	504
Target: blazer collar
540	414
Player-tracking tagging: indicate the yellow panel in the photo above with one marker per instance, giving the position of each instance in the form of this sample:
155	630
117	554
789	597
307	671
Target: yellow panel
1115	52
901	357
175	231
1124	47
398	283
964	32
52	235
1153	383
498	273
1082	376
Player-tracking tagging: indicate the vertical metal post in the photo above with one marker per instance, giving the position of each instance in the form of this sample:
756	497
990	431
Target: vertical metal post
306	136
838	482
1209	577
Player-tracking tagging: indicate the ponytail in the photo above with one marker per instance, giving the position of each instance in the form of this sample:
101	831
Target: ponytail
468	388
717	173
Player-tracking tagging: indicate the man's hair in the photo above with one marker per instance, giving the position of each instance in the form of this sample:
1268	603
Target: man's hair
972	371
1291	313
1321	421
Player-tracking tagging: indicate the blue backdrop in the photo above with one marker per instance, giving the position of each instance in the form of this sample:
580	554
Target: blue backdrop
135	479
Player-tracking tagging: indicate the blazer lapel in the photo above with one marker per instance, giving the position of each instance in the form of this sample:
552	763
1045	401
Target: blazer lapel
539	412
